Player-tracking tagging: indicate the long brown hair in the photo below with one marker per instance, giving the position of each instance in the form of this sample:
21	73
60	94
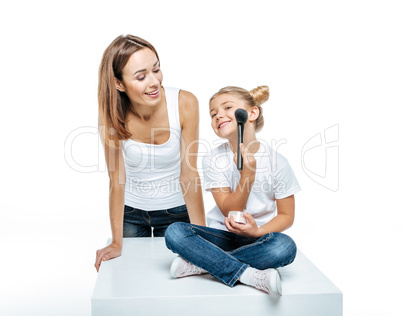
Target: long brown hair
114	105
255	97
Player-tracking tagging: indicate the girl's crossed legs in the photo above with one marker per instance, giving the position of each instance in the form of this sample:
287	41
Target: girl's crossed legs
226	255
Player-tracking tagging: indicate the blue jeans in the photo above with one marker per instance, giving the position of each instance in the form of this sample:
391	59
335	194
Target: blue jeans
226	255
139	223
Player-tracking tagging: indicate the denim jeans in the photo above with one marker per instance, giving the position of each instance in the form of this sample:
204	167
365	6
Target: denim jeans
226	255
140	223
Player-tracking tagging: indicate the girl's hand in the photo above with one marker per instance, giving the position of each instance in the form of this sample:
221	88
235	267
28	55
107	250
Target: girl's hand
248	230
104	254
249	162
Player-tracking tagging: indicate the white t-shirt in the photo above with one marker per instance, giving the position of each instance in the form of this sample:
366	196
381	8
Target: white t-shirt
153	171
274	179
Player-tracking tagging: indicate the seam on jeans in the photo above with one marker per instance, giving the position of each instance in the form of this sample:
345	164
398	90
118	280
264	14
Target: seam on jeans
179	215
148	220
234	279
268	237
210	233
177	212
133	209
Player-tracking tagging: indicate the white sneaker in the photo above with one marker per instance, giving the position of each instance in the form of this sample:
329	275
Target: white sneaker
267	280
181	268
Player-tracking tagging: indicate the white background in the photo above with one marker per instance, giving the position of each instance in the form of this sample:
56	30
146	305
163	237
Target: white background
328	64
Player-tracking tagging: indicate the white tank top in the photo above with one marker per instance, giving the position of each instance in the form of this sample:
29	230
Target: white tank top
153	171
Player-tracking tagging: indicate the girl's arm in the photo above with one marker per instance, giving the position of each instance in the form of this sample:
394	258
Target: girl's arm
282	221
116	170
227	200
189	178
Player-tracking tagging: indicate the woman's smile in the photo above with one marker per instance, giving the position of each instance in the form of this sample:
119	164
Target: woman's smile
153	94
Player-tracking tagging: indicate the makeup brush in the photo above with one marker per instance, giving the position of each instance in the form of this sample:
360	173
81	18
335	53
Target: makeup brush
241	118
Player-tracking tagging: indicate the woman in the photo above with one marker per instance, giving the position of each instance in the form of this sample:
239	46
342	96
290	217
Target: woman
150	138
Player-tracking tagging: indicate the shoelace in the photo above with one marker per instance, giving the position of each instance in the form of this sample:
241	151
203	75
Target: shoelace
259	279
191	269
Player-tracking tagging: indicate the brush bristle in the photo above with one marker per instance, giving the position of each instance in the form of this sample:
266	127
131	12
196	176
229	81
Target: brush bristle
241	116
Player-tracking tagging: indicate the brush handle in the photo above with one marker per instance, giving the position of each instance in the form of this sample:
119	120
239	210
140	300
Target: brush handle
240	131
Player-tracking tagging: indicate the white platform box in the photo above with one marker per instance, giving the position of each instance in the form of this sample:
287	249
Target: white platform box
139	283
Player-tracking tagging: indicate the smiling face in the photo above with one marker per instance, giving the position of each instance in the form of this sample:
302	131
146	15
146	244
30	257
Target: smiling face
222	111
142	78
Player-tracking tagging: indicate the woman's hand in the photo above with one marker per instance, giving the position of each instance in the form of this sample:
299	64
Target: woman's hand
248	230
104	254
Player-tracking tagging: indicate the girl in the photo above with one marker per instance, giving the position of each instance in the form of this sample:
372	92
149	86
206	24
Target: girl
149	134
264	190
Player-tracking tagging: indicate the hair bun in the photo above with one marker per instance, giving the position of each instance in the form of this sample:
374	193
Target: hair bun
260	94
